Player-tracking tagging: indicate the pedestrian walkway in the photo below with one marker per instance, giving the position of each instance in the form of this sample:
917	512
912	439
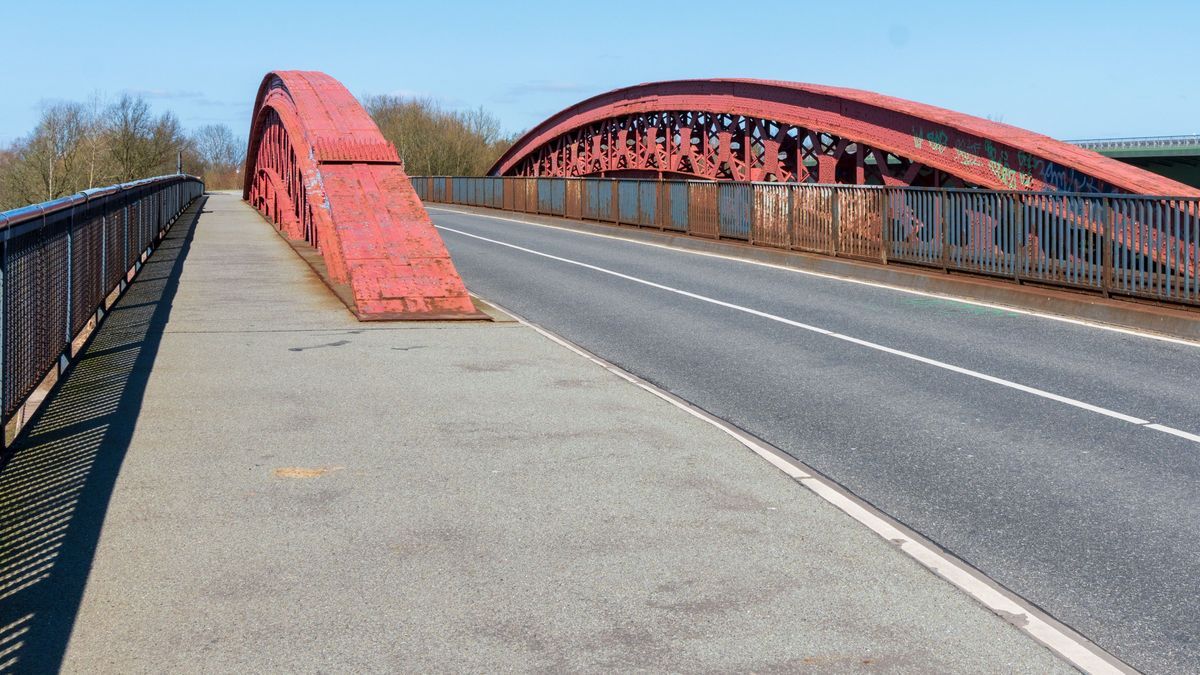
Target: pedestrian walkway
238	476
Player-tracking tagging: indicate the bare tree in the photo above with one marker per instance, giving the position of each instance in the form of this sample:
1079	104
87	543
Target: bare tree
219	155
128	124
434	141
140	145
48	164
219	148
96	142
80	145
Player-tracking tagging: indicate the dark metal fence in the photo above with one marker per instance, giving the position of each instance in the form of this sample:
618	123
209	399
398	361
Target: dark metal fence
1127	245
59	260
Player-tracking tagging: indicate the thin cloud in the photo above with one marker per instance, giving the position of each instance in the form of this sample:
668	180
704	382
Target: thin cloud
535	87
166	94
184	97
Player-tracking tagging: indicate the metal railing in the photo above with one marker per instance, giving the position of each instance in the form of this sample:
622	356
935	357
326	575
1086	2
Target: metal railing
1149	142
1126	245
61	259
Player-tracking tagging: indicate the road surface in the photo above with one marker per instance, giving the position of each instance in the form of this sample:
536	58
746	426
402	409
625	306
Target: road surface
1059	458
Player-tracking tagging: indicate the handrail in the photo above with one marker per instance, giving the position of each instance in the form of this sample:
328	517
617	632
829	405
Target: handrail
1125	245
909	188
61	260
22	214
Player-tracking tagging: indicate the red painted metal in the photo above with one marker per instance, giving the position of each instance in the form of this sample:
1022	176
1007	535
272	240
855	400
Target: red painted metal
763	130
318	167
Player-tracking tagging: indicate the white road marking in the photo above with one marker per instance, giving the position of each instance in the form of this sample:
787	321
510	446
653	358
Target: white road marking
1073	647
835	277
1174	432
845	338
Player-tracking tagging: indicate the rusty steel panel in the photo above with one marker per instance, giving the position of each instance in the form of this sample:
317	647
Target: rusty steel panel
916	221
703	218
981	233
558	197
318	168
531	195
573	198
812	217
674	197
860	226
772	224
735	204
506	189
598	200
648	203
627	202
519	192
545	196
1061	244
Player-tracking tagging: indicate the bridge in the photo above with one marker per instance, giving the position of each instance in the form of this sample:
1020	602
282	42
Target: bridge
1176	157
725	375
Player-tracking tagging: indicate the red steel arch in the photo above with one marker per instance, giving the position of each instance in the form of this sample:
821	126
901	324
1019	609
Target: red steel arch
786	131
318	168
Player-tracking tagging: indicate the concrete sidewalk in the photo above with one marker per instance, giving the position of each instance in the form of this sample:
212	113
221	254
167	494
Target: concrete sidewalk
238	476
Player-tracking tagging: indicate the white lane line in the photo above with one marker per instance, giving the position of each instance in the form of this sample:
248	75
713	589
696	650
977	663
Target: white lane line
835	277
1072	646
846	338
1174	432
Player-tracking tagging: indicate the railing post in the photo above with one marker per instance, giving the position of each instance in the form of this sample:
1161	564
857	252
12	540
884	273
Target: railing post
885	236
1106	257
835	211
753	204
659	191
615	206
66	355
944	204
1019	236
791	223
637	187
716	211
125	260
4	377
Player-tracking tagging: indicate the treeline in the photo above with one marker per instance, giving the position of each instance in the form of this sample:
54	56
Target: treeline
434	141
81	145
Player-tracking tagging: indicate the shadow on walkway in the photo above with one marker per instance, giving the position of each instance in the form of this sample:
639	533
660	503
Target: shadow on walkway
55	483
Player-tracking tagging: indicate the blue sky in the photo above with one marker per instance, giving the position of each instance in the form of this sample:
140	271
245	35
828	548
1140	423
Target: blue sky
1068	69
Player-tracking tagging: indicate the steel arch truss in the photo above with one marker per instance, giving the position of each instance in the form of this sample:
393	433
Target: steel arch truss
319	169
720	146
753	130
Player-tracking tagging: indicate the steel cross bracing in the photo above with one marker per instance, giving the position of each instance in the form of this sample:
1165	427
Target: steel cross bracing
718	146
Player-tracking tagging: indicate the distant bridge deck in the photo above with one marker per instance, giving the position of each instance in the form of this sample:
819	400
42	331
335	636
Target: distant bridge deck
1176	157
1145	146
238	476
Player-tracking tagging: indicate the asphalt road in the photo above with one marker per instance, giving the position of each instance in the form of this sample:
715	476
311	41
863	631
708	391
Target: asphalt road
1022	444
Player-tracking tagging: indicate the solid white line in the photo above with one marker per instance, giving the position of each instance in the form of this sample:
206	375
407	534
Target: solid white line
1174	432
846	338
1074	648
835	277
